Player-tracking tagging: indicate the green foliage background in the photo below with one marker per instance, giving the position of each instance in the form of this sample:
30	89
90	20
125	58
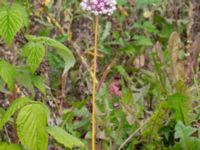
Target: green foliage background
46	56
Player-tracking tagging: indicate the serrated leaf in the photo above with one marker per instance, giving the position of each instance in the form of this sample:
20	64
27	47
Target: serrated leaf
15	106
29	81
10	23
39	83
61	49
24	79
184	133
63	52
7	73
62	137
23	12
34	53
31	127
179	106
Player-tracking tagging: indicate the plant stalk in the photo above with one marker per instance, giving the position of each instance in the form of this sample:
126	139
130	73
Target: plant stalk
94	82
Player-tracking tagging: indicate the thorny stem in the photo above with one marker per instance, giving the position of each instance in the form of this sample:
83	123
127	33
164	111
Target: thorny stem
94	82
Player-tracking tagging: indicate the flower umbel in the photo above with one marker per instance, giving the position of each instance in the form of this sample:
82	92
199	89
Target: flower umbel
98	7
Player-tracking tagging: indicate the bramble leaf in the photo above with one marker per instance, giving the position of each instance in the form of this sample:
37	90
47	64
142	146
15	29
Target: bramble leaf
5	146
39	83
29	81
34	53
23	12
31	127
10	23
15	106
61	50
7	73
64	138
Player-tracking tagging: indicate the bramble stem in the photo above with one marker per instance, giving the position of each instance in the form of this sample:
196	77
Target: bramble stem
94	82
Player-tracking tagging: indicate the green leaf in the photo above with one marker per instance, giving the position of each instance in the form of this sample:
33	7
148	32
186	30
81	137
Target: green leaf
5	146
149	27
10	23
29	81
31	127
121	2
23	12
15	106
184	133
62	137
106	32
39	83
181	55
194	143
147	2
143	41
14	147
61	49
122	71
179	106
63	52
24	79
34	53
3	87
127	98
7	73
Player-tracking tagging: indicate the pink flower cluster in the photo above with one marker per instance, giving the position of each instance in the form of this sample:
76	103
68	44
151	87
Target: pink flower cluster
114	89
98	7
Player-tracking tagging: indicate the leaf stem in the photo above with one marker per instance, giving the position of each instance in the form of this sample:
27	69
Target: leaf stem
94	81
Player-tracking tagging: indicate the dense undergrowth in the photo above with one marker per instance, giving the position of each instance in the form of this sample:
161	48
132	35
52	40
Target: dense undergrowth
146	100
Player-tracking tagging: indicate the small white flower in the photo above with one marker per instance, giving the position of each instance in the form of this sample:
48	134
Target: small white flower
99	6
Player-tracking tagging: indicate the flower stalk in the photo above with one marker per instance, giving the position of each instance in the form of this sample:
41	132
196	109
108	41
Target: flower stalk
94	82
97	7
